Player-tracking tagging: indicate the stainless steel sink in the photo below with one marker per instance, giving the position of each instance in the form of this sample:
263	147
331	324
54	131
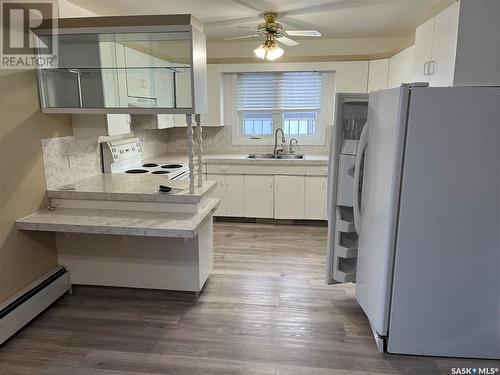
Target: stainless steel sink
273	156
288	156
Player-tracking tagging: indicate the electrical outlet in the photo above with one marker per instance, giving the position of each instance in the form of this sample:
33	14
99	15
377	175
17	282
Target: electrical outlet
72	161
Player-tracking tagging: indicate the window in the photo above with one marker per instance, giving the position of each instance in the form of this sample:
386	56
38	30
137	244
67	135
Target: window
265	101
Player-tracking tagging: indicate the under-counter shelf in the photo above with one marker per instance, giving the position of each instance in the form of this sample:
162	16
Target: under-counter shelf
142	64
119	222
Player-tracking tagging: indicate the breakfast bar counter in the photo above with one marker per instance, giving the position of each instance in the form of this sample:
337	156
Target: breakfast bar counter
122	230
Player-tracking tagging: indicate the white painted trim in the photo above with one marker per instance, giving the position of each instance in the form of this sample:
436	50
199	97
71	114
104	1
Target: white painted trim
31	308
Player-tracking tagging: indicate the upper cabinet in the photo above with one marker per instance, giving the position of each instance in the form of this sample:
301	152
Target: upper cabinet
460	46
138	64
213	117
435	48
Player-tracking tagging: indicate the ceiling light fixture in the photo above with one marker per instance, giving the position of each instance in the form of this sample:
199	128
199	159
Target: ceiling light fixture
269	50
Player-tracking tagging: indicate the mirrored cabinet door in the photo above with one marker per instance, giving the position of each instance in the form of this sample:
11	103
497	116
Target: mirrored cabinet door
120	71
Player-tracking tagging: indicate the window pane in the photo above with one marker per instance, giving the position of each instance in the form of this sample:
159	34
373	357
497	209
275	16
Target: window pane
299	123
257	123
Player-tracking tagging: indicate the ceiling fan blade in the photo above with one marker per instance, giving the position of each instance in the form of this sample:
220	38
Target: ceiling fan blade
243	37
303	33
287	41
248	28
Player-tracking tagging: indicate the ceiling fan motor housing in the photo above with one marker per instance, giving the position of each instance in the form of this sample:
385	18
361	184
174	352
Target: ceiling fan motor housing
271	26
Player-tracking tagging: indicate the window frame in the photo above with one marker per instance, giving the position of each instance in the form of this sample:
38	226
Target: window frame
324	118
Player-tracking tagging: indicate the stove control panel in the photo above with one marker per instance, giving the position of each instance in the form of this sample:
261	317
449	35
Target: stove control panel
118	152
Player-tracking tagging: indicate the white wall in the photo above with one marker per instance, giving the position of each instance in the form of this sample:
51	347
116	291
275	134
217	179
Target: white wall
377	77
70	10
401	67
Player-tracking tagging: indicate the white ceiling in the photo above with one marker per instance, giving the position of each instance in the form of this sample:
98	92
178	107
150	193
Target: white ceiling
333	18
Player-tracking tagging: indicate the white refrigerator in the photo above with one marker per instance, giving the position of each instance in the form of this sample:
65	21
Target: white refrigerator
427	265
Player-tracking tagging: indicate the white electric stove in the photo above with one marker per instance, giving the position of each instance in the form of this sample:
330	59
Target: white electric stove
125	156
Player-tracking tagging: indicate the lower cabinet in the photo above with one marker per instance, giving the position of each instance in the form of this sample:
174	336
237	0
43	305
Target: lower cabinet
289	193
259	195
235	191
219	193
315	198
230	190
270	195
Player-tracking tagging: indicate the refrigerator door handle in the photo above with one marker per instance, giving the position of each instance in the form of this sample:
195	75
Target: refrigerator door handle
363	141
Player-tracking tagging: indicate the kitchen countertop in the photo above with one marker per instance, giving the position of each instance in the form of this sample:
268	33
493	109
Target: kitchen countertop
239	159
132	187
119	222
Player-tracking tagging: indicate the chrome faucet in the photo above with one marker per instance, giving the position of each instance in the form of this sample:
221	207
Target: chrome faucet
283	141
291	149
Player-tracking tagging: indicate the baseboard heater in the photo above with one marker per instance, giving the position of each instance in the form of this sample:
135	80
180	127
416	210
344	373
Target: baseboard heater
26	305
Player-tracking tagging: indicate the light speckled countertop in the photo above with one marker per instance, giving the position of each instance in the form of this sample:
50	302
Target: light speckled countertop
240	159
118	222
132	187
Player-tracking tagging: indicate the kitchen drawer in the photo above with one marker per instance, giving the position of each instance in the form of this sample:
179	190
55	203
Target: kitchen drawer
276	169
316	170
226	168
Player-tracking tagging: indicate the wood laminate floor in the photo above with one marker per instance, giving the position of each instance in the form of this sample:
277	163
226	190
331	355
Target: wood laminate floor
265	310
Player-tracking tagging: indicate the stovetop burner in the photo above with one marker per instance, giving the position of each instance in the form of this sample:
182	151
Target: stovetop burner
136	171
150	165
171	166
160	172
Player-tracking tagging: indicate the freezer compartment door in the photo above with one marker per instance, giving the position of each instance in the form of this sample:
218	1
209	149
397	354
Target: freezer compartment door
379	202
342	237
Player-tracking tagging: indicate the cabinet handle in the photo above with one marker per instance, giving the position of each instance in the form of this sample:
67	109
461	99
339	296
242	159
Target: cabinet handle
432	65
425	67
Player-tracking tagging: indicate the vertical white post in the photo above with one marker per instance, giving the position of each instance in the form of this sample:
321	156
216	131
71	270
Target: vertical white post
190	146
199	141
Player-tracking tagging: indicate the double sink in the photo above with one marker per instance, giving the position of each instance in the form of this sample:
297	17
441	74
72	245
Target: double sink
275	156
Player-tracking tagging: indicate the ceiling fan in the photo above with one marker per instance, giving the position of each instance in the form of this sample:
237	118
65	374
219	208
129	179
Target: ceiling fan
274	31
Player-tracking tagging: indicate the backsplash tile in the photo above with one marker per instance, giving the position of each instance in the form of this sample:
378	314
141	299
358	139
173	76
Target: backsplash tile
218	140
69	159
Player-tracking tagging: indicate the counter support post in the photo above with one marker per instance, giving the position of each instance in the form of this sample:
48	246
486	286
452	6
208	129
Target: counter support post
199	141
190	146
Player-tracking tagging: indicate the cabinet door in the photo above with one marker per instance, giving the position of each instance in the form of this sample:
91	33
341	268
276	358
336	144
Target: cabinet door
259	194
214	116
289	197
117	124
444	46
140	76
165	120
315	198
163	84
423	50
183	89
219	192
235	195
